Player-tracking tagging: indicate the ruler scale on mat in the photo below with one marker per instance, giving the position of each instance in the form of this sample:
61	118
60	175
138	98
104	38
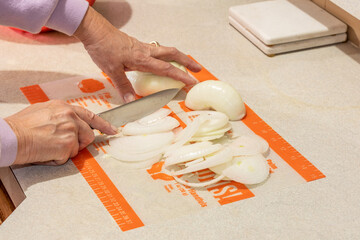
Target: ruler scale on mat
120	209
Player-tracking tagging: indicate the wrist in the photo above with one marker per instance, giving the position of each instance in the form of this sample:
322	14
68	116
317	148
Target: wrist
23	142
92	28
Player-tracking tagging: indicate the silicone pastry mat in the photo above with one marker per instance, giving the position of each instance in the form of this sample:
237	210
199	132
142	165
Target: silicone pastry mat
137	197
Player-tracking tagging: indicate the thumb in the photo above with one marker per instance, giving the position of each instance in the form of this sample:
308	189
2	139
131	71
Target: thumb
123	86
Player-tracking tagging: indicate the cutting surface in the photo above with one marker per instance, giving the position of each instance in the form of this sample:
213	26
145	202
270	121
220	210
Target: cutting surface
311	98
283	21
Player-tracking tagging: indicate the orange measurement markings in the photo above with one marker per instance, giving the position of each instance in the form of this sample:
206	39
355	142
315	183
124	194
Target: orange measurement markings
289	154
91	99
34	94
95	98
124	216
83	101
203	75
78	102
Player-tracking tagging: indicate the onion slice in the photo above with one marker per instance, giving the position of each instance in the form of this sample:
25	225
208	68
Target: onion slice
245	169
192	151
141	143
203	184
135	157
215	120
217	158
152	118
184	136
249	145
165	124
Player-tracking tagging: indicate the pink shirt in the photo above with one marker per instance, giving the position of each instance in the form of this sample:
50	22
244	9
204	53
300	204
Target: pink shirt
30	15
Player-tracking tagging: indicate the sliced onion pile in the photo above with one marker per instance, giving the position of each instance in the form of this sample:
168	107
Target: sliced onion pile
186	151
240	159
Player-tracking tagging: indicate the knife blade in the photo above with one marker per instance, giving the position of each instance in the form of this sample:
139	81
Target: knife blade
139	108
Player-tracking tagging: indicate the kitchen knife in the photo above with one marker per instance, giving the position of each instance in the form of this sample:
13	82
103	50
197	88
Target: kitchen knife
139	108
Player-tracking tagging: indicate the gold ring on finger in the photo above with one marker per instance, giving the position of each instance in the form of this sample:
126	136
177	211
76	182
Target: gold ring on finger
155	43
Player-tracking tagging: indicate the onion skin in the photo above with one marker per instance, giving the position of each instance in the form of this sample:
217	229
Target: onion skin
217	95
149	83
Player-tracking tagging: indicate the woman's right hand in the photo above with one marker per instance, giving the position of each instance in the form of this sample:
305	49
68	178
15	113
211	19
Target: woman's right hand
54	131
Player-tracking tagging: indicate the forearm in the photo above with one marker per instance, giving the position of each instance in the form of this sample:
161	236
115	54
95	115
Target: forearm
61	15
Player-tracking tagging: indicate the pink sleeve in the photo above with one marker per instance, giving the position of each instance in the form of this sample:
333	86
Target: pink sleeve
30	15
8	144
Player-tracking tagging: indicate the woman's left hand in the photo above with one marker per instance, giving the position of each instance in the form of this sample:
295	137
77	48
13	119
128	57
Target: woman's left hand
114	52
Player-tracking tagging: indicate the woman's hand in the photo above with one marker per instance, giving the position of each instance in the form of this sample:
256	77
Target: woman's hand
115	52
54	131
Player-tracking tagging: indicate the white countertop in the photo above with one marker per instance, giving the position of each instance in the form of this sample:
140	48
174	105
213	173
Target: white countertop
311	98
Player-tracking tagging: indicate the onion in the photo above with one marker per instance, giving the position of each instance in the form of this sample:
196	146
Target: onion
215	120
203	184
148	83
141	143
184	136
245	169
222	130
207	138
217	158
165	124
152	118
249	145
216	95
142	164
135	157
190	152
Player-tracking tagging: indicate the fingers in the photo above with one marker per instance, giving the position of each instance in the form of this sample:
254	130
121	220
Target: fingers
172	54
162	68
94	121
85	134
123	85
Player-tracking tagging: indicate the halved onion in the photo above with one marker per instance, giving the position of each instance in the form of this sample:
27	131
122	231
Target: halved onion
149	83
216	95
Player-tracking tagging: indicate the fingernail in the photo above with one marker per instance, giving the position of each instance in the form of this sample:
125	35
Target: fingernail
129	97
115	129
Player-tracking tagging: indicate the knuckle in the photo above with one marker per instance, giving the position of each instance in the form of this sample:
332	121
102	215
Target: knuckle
173	51
90	114
68	112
